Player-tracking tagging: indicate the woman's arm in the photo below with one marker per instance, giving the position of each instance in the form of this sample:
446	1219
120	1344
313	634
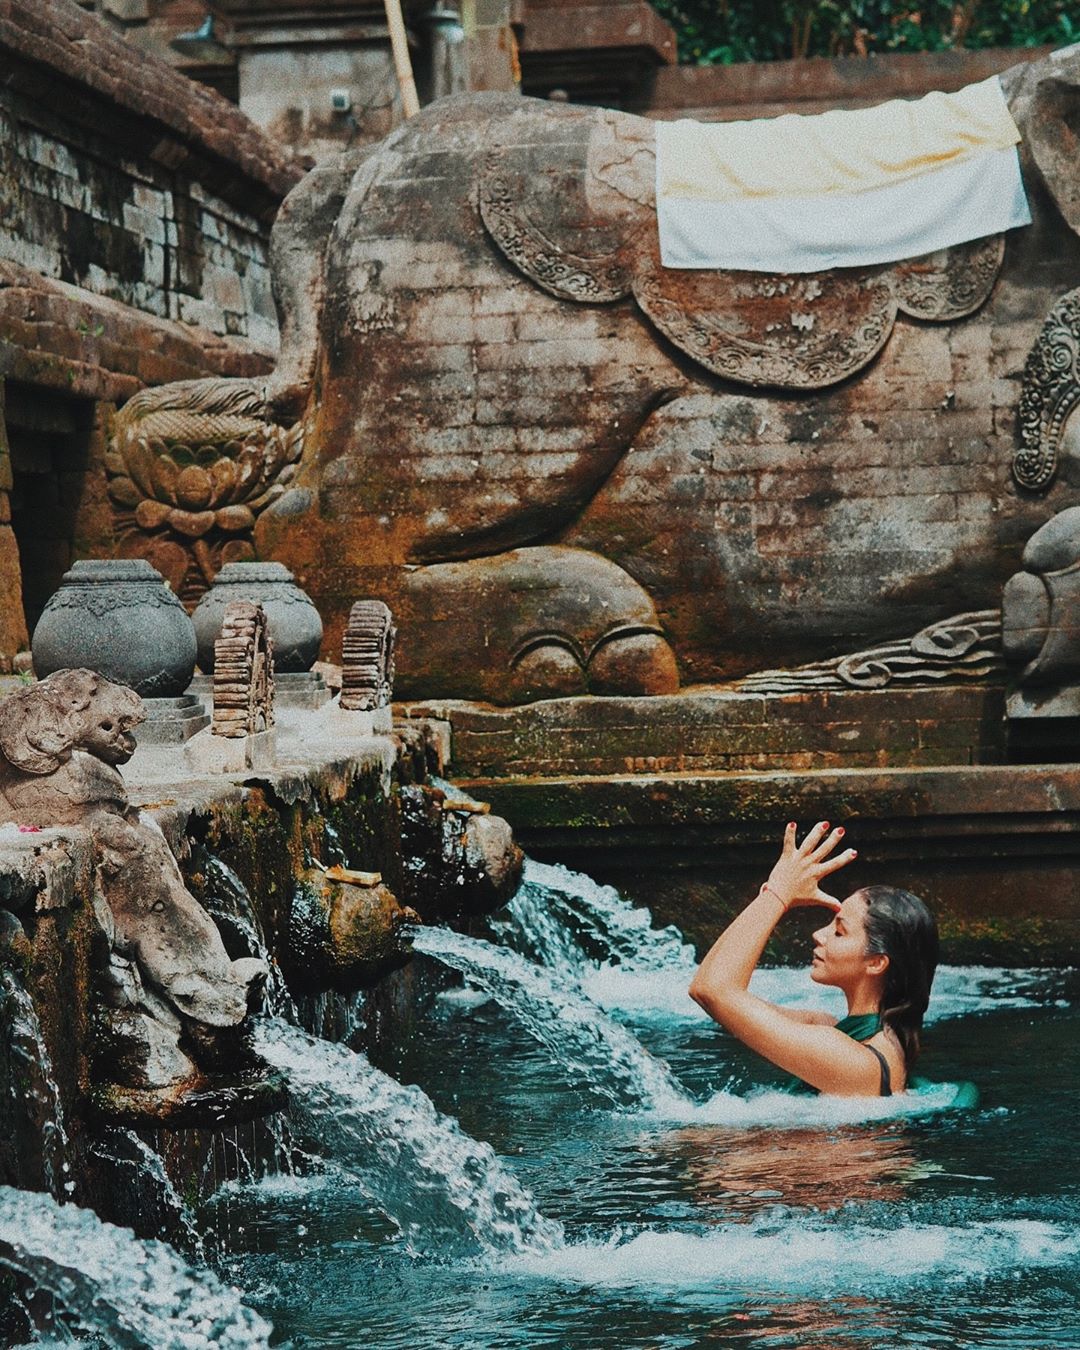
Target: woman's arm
819	1054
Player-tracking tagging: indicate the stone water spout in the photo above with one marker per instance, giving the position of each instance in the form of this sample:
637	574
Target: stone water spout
169	989
346	930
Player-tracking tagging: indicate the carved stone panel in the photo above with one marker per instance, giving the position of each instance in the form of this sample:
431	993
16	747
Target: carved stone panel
795	332
560	200
951	283
964	647
1050	393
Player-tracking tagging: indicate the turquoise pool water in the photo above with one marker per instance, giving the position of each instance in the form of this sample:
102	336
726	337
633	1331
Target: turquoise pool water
752	1219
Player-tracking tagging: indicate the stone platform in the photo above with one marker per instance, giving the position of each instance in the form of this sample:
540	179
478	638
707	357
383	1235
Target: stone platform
994	849
681	802
715	728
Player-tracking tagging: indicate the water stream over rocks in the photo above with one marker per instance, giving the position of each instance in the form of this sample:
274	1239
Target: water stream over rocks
587	1044
31	1116
134	1294
439	1186
603	993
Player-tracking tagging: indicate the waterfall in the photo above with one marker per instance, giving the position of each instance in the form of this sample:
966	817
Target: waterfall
569	920
31	1117
582	1038
142	1187
134	1294
590	936
423	1171
229	904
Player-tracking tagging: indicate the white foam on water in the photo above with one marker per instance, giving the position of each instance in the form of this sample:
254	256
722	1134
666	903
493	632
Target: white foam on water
785	1110
286	1186
133	1293
795	1253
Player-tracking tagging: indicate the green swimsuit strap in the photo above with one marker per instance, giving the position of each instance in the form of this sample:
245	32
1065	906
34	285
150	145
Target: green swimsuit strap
861	1027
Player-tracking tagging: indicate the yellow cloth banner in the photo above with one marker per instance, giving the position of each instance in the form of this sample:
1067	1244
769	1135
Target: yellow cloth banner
836	151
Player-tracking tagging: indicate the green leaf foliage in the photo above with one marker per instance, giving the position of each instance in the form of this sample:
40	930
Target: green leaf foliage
719	32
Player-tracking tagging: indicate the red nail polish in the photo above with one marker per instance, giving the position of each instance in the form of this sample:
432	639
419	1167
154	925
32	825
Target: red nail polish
840	829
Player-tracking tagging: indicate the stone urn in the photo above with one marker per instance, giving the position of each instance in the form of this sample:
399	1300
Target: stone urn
293	621
119	618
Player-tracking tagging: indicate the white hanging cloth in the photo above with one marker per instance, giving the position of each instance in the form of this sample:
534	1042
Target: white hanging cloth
839	189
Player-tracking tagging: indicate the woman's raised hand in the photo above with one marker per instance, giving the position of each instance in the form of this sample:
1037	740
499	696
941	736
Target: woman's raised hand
796	878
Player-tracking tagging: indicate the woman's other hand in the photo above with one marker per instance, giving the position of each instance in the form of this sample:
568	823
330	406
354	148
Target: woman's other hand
799	871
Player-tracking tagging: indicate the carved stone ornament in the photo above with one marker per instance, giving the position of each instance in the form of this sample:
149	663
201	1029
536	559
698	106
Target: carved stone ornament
1050	392
190	467
794	332
1040	605
555	206
965	647
166	973
949	284
367	657
572	206
243	673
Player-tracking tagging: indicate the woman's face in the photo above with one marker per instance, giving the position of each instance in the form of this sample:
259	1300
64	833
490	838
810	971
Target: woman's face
840	955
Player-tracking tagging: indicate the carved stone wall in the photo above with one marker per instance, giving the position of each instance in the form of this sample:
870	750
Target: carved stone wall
789	468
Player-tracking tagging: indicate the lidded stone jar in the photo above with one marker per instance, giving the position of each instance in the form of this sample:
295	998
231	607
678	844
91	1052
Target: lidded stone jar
293	621
118	617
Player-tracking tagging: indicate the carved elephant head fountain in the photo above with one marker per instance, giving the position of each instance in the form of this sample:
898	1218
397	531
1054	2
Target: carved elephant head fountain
569	470
167	990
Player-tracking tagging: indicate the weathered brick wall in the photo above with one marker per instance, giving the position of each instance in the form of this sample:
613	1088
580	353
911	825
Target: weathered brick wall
80	210
135	209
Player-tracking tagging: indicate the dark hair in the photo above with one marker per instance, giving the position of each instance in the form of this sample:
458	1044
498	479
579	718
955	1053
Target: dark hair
899	926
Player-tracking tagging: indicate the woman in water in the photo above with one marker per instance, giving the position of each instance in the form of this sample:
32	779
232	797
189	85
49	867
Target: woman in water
880	949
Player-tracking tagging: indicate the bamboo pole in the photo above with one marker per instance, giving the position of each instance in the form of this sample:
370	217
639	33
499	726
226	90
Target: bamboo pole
399	45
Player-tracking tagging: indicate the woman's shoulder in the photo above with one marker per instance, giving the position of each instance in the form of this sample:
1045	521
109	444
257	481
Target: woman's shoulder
887	1043
810	1017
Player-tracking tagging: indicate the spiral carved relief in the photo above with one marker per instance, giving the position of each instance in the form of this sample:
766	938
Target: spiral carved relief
1051	390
